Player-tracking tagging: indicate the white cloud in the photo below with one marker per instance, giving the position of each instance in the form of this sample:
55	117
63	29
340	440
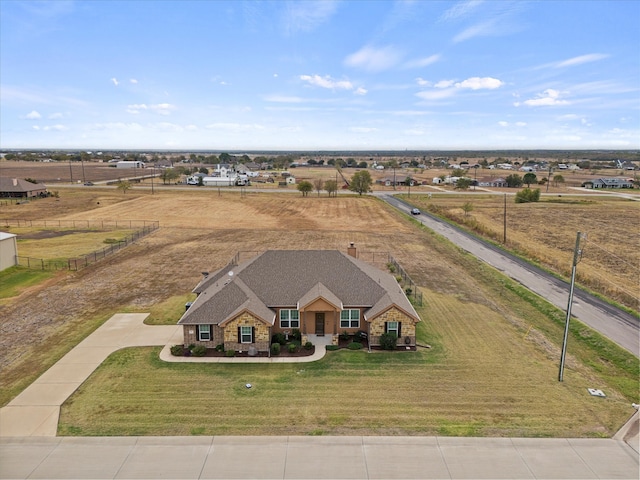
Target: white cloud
549	97
115	81
460	9
327	82
422	82
282	99
307	16
448	88
422	62
444	84
54	116
160	108
234	126
374	59
36	127
503	124
363	129
133	80
521	124
360	91
479	30
33	115
57	128
477	83
116	126
437	94
592	57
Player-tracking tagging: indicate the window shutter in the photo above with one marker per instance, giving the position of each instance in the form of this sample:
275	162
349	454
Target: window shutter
386	325
399	329
197	332
253	334
239	335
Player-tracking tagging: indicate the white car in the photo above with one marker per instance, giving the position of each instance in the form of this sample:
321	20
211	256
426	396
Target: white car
415	211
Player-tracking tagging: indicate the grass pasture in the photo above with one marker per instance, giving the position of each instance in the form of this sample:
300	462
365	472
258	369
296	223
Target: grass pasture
545	232
492	368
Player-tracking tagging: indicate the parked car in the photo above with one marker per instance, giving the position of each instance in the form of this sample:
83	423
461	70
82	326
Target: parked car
88	184
415	211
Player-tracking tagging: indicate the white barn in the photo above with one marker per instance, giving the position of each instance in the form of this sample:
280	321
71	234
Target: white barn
8	250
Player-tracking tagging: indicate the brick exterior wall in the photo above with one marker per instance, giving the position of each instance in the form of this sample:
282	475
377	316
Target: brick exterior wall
408	328
262	334
191	337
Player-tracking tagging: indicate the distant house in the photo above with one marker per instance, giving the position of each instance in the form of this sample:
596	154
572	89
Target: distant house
318	292
492	182
19	188
130	164
609	182
8	250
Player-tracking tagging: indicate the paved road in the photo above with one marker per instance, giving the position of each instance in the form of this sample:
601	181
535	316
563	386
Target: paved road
613	323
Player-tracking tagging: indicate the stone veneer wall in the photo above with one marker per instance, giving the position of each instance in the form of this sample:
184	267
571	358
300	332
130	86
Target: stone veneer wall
262	334
408	328
192	338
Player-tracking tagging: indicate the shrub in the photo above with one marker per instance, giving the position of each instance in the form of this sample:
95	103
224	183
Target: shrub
408	291
293	348
279	338
230	353
308	346
527	195
332	347
275	348
344	335
199	350
296	335
388	341
177	350
220	347
354	346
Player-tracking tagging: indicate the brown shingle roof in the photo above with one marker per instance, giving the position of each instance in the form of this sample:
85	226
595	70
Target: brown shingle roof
19	185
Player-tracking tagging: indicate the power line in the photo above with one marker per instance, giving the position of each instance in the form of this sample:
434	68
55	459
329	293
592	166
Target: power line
613	255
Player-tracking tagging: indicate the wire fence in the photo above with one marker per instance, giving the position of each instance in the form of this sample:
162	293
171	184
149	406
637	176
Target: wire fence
101	224
83	261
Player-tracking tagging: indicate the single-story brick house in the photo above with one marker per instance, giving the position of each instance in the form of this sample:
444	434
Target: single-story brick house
19	188
319	292
609	182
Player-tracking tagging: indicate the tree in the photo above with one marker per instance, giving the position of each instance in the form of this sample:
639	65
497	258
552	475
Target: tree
318	185
467	207
305	187
514	180
124	185
331	186
529	178
557	179
527	195
169	174
361	182
463	183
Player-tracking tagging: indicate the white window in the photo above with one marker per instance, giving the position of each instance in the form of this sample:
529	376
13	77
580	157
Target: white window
289	319
350	318
246	335
204	333
393	327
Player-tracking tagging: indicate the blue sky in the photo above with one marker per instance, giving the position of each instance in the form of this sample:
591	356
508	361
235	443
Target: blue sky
327	75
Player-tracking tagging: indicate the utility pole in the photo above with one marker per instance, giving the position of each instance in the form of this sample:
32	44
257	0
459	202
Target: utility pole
504	235
577	254
548	178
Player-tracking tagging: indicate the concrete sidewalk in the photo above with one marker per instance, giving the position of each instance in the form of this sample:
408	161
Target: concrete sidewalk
315	457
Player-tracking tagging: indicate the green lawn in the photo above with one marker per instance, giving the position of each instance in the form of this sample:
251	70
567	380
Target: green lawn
482	377
15	279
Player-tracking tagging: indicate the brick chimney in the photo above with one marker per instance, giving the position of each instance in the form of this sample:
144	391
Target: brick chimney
352	250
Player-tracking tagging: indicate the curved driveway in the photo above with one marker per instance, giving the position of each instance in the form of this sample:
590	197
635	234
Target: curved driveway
613	323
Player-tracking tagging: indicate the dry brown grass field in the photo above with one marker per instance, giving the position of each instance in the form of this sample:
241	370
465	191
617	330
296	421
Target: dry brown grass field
492	369
546	232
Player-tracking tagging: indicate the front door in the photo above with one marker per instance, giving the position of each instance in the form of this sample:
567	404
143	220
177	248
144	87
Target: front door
320	324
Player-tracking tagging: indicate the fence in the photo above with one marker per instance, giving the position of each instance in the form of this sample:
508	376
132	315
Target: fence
381	260
81	262
82	223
